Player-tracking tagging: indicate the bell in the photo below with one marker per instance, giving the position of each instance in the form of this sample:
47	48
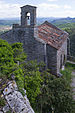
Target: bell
28	17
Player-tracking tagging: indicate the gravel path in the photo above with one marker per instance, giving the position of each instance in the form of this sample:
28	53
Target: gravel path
73	83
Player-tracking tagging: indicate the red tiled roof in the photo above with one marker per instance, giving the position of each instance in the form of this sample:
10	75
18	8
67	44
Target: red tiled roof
52	35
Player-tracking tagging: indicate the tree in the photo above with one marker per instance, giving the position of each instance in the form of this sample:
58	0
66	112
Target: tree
71	31
55	94
9	55
45	91
32	79
18	52
6	58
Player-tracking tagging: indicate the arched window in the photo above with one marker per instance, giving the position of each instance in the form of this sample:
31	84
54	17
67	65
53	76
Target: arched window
28	18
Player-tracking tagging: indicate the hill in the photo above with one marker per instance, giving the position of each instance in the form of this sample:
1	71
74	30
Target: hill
8	22
53	20
63	20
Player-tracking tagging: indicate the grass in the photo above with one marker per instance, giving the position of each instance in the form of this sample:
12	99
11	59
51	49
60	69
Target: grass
67	73
70	65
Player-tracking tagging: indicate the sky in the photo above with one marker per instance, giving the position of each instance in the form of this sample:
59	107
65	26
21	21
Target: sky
45	8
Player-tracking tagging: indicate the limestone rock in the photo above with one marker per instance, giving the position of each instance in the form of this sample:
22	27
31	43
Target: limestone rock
16	101
1	112
6	108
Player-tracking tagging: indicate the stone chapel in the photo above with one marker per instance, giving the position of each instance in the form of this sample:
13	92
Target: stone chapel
45	42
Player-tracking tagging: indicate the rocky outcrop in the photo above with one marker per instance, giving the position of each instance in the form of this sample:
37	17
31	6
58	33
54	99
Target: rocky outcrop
15	102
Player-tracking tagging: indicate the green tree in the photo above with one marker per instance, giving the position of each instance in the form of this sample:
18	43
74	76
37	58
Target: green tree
18	52
71	32
9	55
32	79
55	94
6	58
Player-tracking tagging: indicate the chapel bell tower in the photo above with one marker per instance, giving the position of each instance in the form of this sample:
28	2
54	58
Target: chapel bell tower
28	16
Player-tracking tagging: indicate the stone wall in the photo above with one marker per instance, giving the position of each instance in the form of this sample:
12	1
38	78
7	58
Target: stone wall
36	48
52	59
62	52
33	48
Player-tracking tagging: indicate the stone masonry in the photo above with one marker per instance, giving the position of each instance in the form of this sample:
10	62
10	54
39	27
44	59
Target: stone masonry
41	48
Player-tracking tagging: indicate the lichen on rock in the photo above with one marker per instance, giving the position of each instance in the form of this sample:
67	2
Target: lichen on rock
15	100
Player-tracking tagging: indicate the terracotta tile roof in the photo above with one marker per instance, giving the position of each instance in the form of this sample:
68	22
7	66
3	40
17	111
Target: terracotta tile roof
52	35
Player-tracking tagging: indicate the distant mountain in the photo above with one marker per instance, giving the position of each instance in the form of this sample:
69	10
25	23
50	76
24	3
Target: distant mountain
8	22
63	20
16	18
49	19
53	20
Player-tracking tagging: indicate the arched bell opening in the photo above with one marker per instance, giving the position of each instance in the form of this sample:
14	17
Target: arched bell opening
27	18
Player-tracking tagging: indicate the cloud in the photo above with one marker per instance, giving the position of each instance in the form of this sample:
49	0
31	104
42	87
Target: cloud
48	6
45	10
67	7
9	10
52	0
70	12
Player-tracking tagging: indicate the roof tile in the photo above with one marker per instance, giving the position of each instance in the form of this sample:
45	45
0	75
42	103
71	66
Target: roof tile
52	35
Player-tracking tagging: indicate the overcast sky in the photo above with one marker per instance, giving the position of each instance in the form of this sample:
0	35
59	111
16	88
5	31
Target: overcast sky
45	8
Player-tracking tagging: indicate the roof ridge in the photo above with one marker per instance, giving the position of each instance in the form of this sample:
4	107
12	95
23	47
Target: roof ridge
48	23
53	26
50	35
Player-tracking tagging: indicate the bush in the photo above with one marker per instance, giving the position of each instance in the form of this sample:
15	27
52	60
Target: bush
2	102
55	93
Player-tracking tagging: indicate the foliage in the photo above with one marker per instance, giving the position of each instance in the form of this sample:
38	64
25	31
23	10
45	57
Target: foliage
56	94
45	91
71	31
2	102
6	58
18	54
70	65
32	79
67	74
19	77
65	25
9	55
